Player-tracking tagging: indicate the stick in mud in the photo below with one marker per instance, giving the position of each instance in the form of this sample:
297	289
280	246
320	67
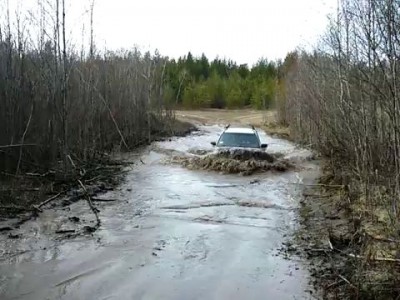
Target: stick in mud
37	207
388	259
65	231
320	184
92	207
103	200
347	281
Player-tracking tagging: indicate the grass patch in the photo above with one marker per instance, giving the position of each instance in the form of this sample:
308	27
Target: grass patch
353	246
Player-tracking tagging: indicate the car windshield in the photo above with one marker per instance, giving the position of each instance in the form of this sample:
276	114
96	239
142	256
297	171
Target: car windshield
230	139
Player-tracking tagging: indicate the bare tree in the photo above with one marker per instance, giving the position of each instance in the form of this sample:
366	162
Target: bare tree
67	107
344	100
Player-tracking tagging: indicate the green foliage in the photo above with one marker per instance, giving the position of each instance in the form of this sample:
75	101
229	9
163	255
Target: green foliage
196	96
196	82
263	95
216	90
234	98
169	96
235	91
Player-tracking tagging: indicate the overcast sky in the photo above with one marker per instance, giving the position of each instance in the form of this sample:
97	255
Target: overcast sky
242	30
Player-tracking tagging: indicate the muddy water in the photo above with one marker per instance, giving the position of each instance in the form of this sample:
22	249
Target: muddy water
172	234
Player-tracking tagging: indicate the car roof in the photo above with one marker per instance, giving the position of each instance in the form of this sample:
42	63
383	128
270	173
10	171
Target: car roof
240	130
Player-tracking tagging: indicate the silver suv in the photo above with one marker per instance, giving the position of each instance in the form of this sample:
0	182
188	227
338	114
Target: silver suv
239	137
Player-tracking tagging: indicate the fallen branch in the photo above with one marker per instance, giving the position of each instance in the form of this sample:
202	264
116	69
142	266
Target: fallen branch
94	178
388	259
16	146
347	281
320	184
65	231
71	161
334	284
92	207
37	207
316	195
388	240
319	250
330	244
40	175
103	200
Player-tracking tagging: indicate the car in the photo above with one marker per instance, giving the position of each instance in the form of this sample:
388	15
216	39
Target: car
239	137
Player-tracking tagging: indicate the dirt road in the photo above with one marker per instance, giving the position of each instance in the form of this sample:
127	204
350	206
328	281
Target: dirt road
172	233
221	116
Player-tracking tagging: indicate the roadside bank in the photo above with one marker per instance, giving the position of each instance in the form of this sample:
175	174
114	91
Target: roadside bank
352	250
24	195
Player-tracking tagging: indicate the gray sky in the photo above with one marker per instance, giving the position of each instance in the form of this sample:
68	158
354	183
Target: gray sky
240	30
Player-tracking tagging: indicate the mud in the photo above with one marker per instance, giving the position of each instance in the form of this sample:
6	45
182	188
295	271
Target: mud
321	237
20	193
230	166
346	261
234	161
168	233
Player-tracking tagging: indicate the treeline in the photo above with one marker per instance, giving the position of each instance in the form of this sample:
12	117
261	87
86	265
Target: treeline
344	100
195	82
60	108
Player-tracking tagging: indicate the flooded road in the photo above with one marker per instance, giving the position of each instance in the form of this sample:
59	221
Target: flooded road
173	233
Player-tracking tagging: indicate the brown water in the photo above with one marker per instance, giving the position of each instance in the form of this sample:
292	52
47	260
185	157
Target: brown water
172	234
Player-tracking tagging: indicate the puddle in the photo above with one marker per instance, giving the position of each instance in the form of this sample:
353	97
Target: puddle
219	232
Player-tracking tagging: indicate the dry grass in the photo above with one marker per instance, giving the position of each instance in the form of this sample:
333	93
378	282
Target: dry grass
273	128
364	239
225	116
267	120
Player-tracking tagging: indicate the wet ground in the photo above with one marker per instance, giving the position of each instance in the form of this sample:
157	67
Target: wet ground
172	233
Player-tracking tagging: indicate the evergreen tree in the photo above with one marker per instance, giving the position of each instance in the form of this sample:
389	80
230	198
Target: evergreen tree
195	82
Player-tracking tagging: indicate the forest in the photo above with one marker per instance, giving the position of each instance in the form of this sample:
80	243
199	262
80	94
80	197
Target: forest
342	99
196	82
122	99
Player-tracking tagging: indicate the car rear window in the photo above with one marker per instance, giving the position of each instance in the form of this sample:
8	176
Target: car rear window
229	139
